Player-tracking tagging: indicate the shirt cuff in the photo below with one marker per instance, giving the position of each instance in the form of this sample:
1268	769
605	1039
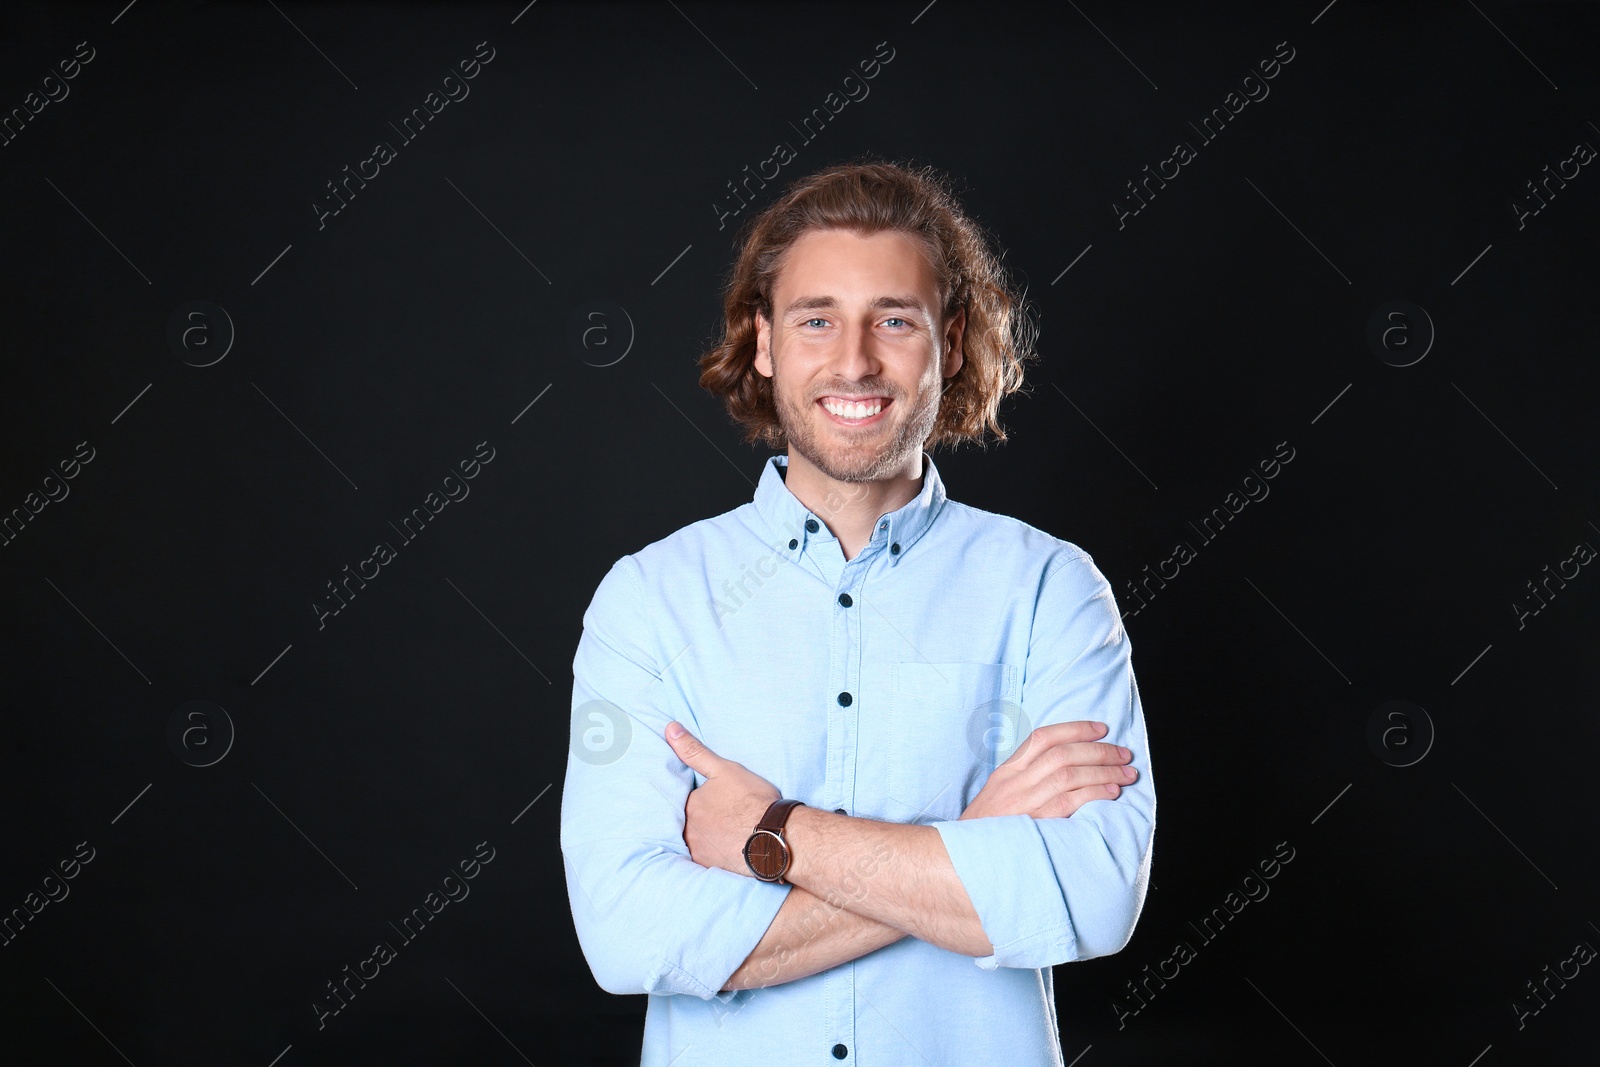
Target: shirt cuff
1005	868
712	949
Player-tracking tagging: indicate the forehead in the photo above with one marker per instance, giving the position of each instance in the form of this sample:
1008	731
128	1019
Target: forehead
848	265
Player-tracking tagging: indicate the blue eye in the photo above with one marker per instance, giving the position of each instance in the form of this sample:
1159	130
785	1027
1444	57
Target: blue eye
894	319
810	321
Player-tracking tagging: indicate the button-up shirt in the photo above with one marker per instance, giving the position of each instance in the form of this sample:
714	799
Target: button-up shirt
887	686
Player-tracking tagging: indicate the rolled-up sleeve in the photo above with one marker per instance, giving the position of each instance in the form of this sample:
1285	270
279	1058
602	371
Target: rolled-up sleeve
1055	890
649	918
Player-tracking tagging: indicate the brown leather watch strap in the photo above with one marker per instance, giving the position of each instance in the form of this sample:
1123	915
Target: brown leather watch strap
777	814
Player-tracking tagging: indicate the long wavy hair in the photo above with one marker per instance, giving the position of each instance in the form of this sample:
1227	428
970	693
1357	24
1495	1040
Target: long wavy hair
868	198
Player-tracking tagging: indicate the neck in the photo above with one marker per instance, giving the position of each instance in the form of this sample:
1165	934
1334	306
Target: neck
850	508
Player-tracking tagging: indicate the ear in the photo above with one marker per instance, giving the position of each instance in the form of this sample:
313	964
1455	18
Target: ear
763	360
953	334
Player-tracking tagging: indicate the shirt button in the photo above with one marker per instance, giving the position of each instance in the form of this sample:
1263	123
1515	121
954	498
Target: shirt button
811	525
844	600
894	549
844	700
883	526
840	1052
793	543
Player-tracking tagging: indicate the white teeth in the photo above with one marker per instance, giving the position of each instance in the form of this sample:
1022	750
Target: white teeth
853	411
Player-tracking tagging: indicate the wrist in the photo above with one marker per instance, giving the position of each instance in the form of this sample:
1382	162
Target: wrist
801	834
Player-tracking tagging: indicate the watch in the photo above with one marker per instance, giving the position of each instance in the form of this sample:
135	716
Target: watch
767	853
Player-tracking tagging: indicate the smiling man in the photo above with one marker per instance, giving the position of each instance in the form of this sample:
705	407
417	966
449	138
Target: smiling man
853	765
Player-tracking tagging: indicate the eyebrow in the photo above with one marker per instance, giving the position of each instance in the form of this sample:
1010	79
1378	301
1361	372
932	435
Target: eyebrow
882	303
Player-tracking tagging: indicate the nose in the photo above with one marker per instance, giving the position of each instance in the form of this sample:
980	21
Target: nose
854	358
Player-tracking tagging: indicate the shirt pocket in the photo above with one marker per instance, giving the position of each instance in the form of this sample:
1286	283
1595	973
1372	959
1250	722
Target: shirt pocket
947	725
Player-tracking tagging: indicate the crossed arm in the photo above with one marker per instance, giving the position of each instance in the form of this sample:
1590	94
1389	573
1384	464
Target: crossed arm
860	884
648	897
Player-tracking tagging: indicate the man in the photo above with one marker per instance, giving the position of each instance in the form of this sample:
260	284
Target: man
946	692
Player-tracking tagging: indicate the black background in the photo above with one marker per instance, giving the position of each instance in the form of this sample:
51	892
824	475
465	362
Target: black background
374	353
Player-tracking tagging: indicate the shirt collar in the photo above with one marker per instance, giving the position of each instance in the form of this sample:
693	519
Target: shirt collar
797	524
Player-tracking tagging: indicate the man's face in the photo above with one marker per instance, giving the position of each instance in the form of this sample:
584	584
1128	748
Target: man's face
856	319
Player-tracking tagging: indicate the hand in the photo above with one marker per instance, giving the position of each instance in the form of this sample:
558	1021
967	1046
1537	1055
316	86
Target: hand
1054	772
723	811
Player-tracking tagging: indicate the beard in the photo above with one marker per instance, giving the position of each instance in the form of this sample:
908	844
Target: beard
848	455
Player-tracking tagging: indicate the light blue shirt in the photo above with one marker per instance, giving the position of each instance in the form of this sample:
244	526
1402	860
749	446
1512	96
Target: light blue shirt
890	686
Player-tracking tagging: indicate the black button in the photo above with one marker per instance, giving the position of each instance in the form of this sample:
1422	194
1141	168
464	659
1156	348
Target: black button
844	700
840	811
793	543
894	549
840	1052
844	600
811	525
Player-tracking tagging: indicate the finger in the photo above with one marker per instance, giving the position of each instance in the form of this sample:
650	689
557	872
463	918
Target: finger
691	750
1084	753
1056	733
1068	801
1046	793
1068	779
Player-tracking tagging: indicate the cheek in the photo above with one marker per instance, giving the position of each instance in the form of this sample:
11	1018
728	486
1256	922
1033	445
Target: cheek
928	392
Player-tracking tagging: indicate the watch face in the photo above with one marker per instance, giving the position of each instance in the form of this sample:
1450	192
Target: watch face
767	855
